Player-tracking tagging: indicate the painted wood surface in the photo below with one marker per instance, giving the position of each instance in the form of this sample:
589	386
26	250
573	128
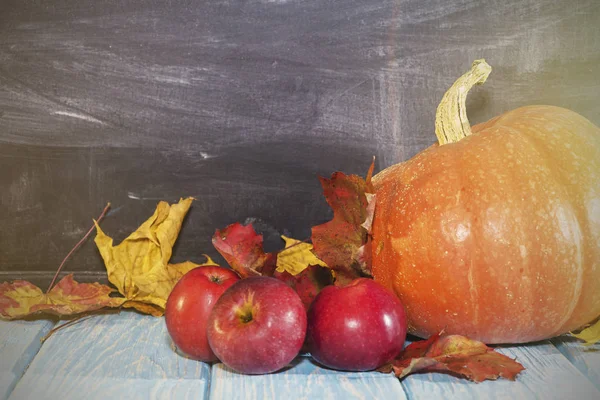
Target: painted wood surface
548	375
128	355
120	356
243	103
585	358
304	379
19	344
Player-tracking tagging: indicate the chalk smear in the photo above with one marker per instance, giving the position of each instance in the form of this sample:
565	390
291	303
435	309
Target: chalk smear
79	116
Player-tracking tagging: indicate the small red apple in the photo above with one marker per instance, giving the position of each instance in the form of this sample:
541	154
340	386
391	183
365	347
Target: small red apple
189	305
358	327
257	326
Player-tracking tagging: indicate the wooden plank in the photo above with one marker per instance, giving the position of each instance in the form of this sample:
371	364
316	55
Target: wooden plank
585	358
126	355
303	380
548	375
19	343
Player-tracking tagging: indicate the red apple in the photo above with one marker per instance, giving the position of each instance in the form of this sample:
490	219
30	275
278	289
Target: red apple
189	305
358	327
257	326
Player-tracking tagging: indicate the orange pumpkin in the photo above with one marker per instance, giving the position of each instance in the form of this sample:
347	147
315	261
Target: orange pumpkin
494	233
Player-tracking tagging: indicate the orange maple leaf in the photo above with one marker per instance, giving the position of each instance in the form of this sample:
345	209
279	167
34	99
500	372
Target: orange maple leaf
456	354
21	298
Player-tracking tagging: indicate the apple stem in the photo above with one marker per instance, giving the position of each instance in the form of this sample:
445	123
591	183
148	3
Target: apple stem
451	122
246	317
76	246
246	311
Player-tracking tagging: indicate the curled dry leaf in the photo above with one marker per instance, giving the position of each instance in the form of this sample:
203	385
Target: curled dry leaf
296	265
308	283
242	248
590	335
456	354
344	242
21	298
139	266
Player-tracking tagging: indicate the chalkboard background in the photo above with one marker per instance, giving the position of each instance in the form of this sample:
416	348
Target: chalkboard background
242	104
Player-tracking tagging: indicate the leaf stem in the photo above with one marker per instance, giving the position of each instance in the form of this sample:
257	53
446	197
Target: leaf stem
298	242
77	319
77	246
57	328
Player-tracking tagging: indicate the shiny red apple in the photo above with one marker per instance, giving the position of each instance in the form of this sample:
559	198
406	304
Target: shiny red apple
257	326
358	327
189	306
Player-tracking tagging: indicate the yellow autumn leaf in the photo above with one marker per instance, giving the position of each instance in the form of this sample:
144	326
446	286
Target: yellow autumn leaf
296	256
590	334
175	272
145	308
139	266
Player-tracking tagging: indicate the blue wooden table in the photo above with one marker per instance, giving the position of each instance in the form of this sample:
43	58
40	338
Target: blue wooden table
130	356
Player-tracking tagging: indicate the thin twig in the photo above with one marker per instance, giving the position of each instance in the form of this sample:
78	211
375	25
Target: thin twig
71	322
298	242
80	318
76	246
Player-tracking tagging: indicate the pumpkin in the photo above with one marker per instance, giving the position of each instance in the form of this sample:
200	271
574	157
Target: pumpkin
494	232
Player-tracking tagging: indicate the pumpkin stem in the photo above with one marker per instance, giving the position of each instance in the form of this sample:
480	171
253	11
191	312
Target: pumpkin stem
451	122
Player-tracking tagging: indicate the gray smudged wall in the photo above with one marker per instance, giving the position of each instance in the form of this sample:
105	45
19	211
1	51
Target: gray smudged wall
242	104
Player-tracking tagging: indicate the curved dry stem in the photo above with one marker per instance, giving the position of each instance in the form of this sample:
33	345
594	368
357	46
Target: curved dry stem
75	248
78	319
57	328
451	122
